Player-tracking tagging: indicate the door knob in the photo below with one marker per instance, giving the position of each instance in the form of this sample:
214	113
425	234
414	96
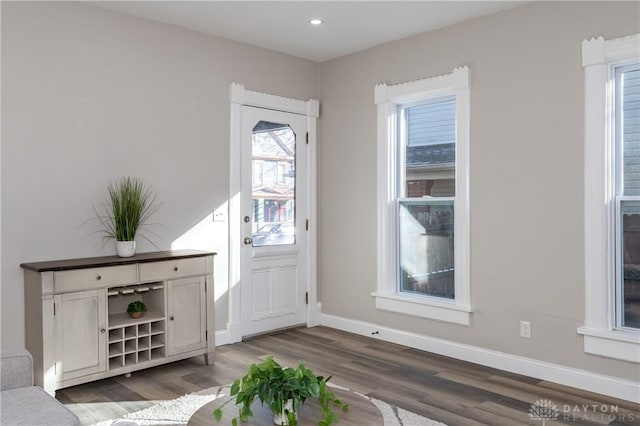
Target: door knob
247	240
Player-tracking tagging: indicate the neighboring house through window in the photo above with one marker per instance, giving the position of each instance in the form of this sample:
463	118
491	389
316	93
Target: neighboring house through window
273	179
612	197
423	200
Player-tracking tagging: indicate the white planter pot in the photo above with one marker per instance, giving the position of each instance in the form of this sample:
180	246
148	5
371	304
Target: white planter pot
126	248
281	419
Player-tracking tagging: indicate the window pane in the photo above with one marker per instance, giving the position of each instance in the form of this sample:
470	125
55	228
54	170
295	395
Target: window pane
274	183
429	148
426	247
432	123
629	86
269	173
631	264
628	193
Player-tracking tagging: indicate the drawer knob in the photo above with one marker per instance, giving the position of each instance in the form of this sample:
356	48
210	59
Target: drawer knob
102	330
175	268
171	318
98	277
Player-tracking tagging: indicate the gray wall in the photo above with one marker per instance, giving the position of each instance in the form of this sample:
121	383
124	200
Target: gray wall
527	121
90	95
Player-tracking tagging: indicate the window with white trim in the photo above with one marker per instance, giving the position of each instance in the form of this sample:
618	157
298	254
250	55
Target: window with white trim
612	197
423	199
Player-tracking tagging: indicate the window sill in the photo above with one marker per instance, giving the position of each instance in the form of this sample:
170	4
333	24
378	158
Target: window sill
617	344
424	307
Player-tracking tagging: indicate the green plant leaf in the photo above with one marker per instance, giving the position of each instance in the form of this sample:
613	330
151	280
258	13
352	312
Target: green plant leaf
217	413
245	413
235	387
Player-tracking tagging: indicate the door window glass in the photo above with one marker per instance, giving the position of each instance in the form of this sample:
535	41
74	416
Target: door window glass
273	184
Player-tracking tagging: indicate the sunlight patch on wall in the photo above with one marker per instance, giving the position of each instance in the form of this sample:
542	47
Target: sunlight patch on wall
210	234
199	237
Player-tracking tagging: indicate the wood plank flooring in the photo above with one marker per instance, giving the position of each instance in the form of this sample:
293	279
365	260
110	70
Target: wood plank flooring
437	387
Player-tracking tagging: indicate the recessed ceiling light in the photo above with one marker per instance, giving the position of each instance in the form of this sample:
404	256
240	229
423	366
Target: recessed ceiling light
315	21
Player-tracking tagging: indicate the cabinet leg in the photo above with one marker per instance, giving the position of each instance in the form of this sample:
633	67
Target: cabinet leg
127	375
209	358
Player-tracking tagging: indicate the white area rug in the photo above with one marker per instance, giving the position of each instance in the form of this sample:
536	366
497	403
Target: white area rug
179	410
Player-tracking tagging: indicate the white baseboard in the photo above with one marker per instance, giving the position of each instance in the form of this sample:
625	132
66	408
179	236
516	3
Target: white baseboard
314	315
235	332
232	334
222	337
581	379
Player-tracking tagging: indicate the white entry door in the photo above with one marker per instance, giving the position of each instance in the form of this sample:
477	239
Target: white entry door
274	212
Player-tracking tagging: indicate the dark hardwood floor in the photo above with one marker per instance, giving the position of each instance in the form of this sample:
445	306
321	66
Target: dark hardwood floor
437	387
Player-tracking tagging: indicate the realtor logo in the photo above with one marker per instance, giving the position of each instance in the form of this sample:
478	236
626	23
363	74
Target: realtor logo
543	409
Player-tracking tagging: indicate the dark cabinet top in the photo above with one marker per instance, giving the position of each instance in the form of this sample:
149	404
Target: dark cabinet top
93	262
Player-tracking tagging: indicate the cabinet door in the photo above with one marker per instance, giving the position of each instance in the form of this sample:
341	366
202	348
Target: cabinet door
80	320
186	311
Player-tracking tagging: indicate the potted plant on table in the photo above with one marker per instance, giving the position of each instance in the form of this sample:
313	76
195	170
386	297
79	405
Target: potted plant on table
130	205
136	309
283	390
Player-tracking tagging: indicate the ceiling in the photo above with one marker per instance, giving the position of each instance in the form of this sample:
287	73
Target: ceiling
348	26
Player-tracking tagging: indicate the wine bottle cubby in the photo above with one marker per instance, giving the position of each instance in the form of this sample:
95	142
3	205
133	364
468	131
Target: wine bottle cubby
136	340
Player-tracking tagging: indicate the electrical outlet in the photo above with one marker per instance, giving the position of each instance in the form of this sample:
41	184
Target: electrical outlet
525	329
220	215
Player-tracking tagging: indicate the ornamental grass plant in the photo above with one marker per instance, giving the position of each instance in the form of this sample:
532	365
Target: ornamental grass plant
130	204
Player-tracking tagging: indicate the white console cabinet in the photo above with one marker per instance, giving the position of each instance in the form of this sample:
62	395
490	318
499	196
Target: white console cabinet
77	326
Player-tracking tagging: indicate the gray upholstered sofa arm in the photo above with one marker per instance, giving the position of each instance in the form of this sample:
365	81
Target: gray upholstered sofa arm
21	403
16	369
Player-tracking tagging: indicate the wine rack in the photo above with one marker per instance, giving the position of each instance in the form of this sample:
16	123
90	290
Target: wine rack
136	340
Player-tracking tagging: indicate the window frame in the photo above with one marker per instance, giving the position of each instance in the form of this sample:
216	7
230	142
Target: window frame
387	296
602	335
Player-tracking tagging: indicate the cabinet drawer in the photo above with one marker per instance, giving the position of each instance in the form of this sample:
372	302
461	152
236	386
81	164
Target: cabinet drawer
87	279
172	269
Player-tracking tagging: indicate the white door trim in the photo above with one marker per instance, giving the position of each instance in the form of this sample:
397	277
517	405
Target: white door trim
239	97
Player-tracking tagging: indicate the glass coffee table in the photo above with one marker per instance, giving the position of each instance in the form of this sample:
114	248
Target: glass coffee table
361	412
